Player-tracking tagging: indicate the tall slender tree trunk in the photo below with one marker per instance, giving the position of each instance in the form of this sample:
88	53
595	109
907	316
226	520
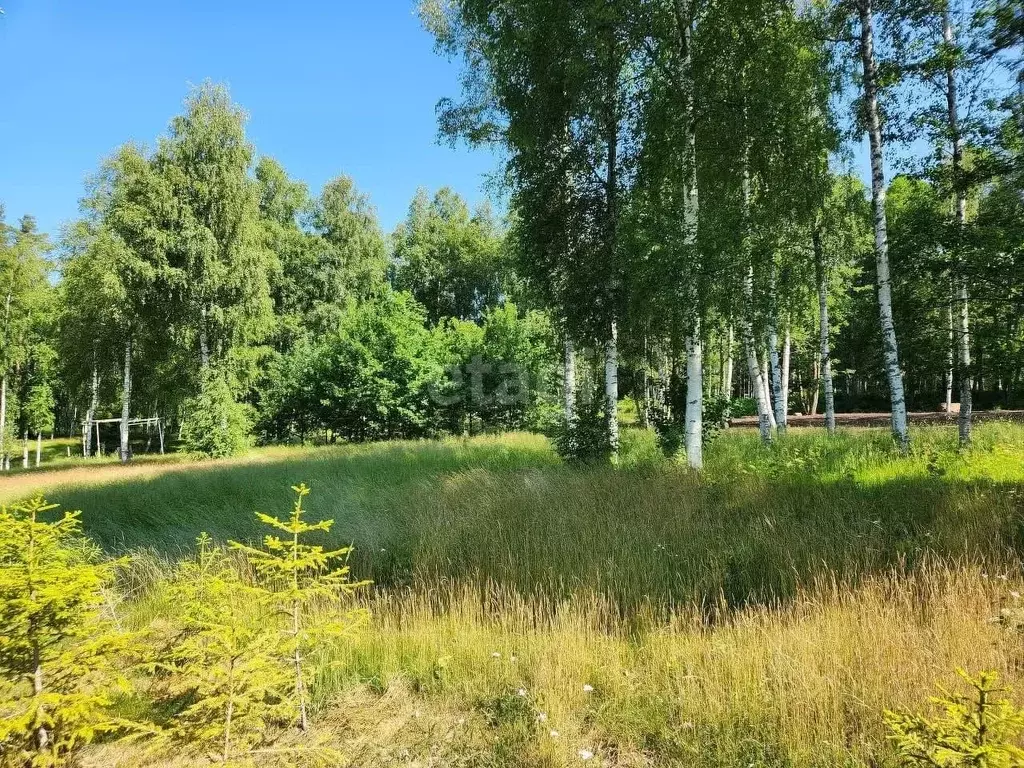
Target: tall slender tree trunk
39	448
776	378
787	353
694	427
949	357
204	341
825	348
569	381
767	381
24	450
4	449
611	387
757	384
753	367
610	236
3	421
94	401
890	347
963	302
729	364
694	417
126	400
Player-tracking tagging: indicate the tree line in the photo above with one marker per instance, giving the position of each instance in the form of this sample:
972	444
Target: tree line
679	196
683	229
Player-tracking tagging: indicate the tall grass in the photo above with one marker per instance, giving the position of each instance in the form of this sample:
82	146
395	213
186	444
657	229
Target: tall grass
752	528
762	613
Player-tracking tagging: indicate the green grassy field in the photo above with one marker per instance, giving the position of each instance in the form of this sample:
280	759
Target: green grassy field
763	613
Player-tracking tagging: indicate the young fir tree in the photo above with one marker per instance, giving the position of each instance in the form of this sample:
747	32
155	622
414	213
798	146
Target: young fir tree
982	728
57	648
225	662
301	574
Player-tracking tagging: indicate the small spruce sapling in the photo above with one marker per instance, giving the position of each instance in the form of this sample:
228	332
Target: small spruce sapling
225	661
303	576
57	648
978	729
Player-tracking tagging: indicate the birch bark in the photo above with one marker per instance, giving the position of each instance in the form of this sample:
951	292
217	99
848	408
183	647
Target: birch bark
825	346
962	299
126	399
878	192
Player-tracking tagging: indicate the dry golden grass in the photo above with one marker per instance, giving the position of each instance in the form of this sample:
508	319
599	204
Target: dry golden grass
800	684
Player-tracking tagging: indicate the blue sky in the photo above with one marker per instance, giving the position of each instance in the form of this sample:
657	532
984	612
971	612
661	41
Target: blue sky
330	86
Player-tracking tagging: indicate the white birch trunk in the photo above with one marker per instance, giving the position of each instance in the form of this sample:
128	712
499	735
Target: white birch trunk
949	358
694	427
3	421
966	379
757	383
787	353
878	192
727	379
694	417
776	378
569	382
204	343
39	448
963	303
94	402
825	349
767	382
611	387
753	368
24	451
126	400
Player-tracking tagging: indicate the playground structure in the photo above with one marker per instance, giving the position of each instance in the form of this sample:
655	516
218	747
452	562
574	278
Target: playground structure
92	427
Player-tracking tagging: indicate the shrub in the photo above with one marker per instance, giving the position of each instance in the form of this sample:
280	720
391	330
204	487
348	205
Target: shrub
585	439
215	425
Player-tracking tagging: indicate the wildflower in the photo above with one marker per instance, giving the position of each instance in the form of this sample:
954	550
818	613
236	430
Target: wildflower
495	655
521	692
512	658
554	734
542	717
1015	595
588	688
585	754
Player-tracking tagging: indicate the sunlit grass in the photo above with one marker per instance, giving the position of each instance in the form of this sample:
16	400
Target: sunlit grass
764	612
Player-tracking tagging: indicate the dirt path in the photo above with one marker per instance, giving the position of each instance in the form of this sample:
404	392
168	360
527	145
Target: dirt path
882	419
18	485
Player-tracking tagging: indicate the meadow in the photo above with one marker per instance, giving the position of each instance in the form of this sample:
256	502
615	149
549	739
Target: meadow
765	612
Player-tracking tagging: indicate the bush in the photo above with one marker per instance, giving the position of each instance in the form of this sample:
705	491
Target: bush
585	439
215	425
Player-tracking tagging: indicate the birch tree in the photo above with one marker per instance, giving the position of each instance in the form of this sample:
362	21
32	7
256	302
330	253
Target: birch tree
873	124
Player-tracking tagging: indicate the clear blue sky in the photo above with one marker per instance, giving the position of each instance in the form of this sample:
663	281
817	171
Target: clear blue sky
331	86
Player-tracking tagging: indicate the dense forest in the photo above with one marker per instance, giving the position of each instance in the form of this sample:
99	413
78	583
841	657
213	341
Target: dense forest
684	227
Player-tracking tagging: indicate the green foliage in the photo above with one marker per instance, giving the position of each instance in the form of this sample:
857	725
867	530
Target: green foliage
215	425
979	728
301	576
584	440
58	645
450	260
